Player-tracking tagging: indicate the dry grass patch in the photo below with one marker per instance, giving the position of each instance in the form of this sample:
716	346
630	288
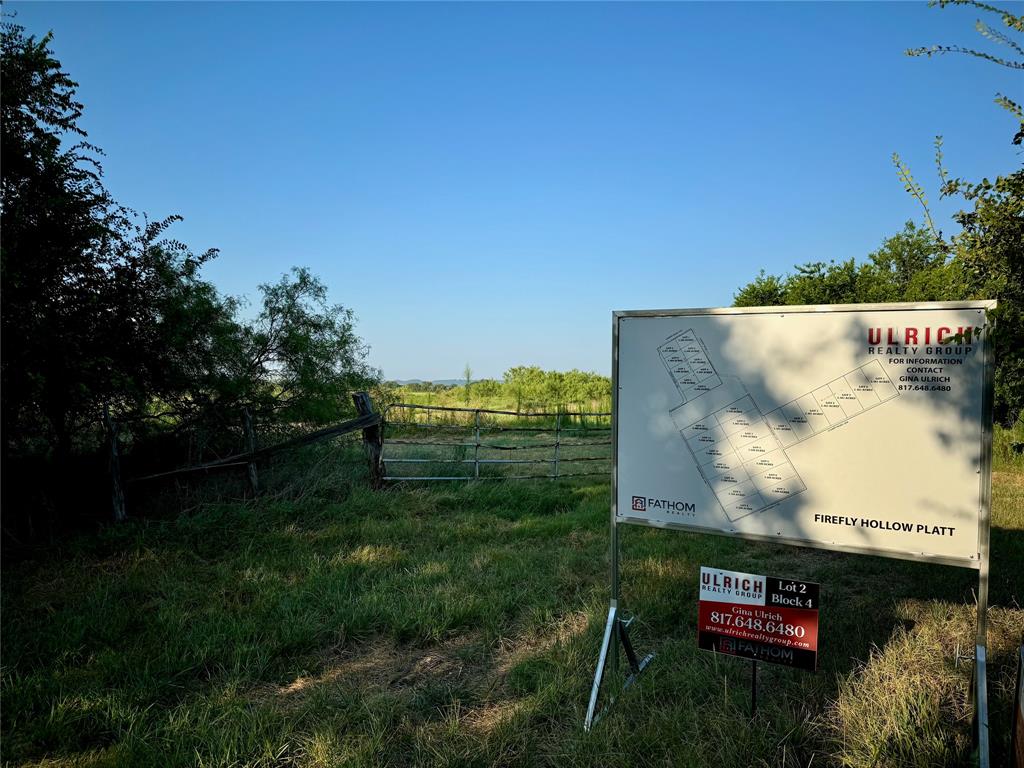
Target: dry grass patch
378	665
526	645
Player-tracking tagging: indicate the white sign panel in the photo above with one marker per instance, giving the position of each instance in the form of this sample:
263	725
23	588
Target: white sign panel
856	428
718	586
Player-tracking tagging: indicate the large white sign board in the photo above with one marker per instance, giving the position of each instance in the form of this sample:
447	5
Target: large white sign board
859	428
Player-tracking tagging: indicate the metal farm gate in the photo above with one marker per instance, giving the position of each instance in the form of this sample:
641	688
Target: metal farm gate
424	442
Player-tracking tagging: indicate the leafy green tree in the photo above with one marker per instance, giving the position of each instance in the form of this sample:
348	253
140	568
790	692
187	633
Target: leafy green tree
1014	59
984	260
301	355
905	268
487	388
77	272
585	389
988	252
909	266
193	344
820	283
763	291
525	383
101	309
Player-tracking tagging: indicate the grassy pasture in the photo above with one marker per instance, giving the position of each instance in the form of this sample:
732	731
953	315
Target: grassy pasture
503	400
508	446
459	625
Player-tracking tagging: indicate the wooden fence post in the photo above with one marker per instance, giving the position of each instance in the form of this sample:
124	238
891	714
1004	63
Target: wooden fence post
114	467
373	439
250	444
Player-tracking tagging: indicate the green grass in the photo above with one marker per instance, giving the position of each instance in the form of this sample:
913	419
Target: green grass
459	625
506	401
449	449
1006	445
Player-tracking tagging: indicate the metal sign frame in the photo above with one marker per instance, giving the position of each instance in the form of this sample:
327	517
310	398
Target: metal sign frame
616	627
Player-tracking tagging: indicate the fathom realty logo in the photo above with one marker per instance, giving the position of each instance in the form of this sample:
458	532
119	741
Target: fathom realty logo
644	503
752	650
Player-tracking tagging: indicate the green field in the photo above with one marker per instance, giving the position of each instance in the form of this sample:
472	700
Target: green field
459	624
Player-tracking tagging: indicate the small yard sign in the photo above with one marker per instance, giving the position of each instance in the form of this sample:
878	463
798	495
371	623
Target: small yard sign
763	618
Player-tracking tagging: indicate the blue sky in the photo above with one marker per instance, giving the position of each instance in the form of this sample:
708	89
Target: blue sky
485	183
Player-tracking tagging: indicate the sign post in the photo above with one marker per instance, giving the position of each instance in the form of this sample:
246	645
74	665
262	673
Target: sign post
860	428
753	687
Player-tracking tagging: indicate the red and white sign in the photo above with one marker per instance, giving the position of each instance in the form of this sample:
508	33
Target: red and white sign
759	617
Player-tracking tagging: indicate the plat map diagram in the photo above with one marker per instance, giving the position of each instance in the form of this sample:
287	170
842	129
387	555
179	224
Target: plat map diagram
739	448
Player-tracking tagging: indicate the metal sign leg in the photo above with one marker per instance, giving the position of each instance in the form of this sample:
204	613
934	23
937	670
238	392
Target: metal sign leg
979	683
616	633
595	689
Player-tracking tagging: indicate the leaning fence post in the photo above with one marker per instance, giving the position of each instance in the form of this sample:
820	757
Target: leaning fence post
250	445
373	439
114	466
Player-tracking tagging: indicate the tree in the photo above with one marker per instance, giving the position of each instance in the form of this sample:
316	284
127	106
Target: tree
587	390
988	252
984	260
905	267
301	355
73	264
909	266
526	384
763	291
102	310
467	374
1013	60
486	388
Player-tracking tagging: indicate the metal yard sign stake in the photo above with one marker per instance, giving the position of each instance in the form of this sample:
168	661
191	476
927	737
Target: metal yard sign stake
862	428
753	688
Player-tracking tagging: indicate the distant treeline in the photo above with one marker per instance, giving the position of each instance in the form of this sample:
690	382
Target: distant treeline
522	388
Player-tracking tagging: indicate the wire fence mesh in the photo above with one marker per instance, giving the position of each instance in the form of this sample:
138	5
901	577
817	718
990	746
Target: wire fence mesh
430	443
